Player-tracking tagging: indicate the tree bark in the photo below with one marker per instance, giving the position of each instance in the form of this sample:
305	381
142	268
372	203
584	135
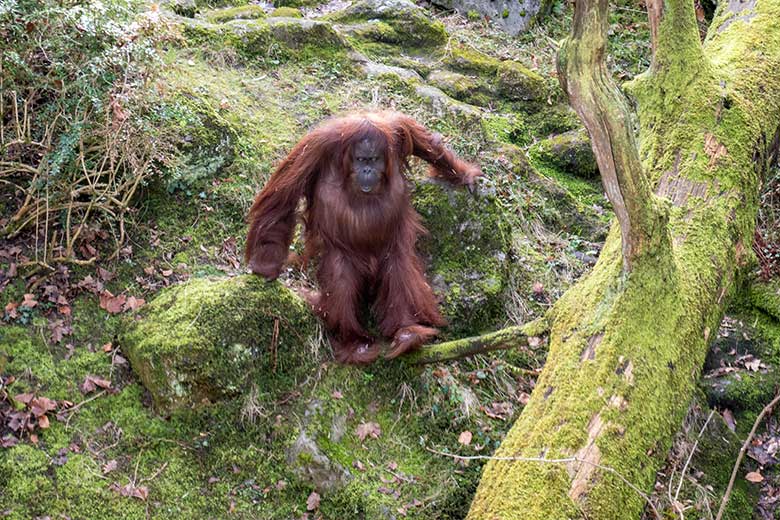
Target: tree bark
628	341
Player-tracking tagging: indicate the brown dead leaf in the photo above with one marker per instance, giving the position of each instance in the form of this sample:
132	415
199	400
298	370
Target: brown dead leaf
10	309
754	476
43	422
91	383
465	438
40	406
24	398
313	502
728	418
112	304
134	303
29	301
370	429
109	466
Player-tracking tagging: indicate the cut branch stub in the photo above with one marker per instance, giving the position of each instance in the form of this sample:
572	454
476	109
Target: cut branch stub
604	111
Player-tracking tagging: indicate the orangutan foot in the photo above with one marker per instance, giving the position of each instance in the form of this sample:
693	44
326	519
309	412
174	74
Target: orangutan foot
410	338
357	353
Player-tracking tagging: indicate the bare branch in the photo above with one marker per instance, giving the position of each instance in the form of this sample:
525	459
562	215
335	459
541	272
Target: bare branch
510	337
605	113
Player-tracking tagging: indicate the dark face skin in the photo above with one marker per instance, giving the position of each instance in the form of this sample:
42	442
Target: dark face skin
368	165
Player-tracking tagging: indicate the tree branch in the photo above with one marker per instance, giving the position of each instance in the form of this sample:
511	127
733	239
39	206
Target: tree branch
504	339
604	111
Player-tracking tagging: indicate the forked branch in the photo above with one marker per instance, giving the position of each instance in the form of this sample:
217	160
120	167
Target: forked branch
605	113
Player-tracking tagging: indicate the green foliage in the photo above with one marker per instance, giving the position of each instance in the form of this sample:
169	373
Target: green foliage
74	141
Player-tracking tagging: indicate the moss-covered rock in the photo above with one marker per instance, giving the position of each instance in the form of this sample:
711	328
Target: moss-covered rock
298	3
398	22
287	12
210	339
467	252
244	12
518	83
468	60
556	119
443	104
268	40
188	8
568	203
569	152
461	87
297	33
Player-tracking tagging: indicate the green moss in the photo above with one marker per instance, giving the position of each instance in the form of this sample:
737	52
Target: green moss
466	59
509	128
553	120
287	12
505	13
199	342
268	42
461	87
23	471
467	257
244	12
297	3
404	23
569	152
518	83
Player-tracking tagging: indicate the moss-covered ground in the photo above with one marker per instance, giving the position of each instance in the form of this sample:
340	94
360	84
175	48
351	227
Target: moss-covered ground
237	86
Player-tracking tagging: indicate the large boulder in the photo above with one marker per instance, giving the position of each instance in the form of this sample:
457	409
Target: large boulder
518	83
461	87
467	252
569	152
399	22
209	339
511	16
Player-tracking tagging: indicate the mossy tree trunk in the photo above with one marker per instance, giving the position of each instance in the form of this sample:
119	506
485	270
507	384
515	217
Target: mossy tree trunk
627	342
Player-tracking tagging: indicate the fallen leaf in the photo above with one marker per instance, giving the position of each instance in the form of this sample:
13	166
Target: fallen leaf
91	383
42	405
754	476
337	395
465	438
24	398
358	465
371	429
728	418
112	304
43	422
10	309
109	466
134	303
29	301
108	347
313	502
141	492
